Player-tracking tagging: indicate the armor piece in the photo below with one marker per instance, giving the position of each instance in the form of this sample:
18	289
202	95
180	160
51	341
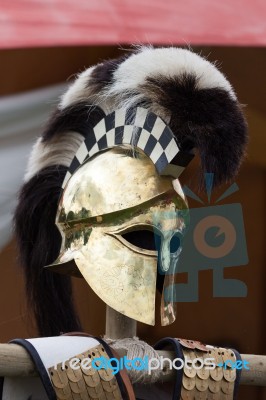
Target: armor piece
115	194
67	369
203	383
200	372
85	383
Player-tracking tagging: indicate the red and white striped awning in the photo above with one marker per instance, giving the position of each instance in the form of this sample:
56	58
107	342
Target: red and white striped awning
35	23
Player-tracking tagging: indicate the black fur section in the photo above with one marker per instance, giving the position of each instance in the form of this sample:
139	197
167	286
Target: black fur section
78	117
102	75
49	295
207	119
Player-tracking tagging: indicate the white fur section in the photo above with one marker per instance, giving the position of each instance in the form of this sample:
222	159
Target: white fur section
132	73
78	91
169	62
58	151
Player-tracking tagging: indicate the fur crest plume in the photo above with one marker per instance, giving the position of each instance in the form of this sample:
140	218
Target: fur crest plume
188	92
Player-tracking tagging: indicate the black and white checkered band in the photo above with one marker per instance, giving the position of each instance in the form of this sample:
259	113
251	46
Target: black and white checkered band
139	128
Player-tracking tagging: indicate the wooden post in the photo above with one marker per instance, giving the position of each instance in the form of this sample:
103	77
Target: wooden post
15	361
118	326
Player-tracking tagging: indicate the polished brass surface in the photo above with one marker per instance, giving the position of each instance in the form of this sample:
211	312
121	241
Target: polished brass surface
110	195
110	182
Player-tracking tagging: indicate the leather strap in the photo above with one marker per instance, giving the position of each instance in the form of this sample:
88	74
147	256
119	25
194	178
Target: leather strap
126	380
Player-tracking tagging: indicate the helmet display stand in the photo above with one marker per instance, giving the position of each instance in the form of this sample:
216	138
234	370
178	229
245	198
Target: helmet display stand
118	326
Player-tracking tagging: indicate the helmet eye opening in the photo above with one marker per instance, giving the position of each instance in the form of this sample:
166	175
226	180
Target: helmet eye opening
144	239
175	244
